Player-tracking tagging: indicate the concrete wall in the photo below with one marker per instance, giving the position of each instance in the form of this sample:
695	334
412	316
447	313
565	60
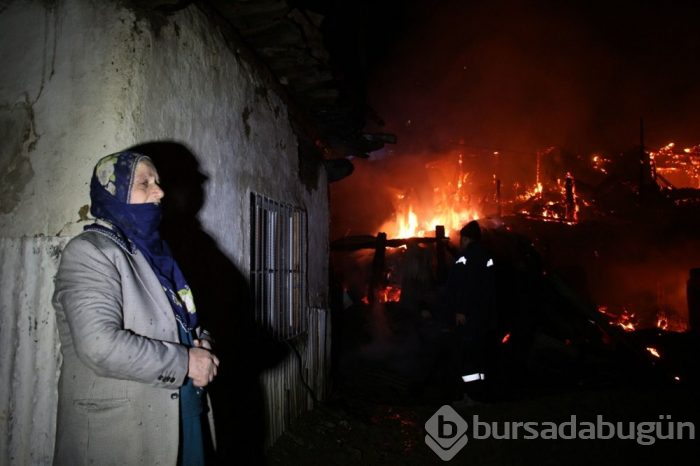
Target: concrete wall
81	79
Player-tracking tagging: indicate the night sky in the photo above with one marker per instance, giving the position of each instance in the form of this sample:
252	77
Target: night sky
475	77
526	75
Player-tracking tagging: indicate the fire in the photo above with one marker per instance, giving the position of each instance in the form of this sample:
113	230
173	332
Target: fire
553	201
449	206
662	323
653	351
600	163
627	320
535	191
627	326
505	339
678	168
406	223
389	294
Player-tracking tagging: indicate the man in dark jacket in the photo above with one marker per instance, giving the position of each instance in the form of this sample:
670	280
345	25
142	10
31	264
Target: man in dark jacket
471	300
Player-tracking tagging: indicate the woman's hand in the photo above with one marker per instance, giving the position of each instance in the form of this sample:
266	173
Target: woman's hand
206	344
202	364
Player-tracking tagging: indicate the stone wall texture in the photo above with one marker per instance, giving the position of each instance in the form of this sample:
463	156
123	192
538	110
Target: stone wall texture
85	78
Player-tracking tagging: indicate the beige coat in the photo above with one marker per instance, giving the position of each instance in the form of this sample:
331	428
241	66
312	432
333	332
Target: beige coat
122	363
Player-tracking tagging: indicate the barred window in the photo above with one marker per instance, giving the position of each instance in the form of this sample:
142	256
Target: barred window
278	265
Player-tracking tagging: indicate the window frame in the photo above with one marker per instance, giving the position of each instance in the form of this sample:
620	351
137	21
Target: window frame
278	265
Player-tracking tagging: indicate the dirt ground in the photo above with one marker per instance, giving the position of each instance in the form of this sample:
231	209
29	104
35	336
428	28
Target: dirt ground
383	395
351	431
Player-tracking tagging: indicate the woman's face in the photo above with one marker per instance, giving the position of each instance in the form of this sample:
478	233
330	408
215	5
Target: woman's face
145	188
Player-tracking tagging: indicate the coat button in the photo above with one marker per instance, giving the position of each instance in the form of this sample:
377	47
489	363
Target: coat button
174	396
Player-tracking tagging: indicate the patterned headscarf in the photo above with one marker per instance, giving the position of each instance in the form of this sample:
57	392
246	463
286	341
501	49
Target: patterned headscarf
137	225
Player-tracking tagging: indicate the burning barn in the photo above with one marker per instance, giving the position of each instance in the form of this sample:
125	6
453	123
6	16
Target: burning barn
596	261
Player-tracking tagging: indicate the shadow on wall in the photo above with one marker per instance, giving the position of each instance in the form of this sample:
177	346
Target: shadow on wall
224	302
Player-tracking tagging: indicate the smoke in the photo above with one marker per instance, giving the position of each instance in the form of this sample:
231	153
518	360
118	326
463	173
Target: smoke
642	268
516	78
649	279
362	202
515	75
427	181
476	78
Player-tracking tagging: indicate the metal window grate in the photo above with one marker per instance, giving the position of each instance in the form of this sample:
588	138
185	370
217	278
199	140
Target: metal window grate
278	265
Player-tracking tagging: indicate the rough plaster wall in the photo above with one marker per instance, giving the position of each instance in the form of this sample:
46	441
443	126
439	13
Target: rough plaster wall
88	78
62	99
94	78
29	345
194	89
58	108
16	130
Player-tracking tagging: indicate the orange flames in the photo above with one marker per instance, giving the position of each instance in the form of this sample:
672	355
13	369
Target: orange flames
389	294
626	320
653	351
600	163
629	322
679	168
407	223
450	206
662	324
552	202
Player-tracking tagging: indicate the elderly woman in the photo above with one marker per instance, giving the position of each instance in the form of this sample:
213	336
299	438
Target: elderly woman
134	358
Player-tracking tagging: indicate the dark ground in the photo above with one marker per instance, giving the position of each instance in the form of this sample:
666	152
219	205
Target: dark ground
348	431
563	357
383	396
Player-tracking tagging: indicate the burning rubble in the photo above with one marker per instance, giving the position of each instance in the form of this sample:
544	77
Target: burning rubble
582	221
674	168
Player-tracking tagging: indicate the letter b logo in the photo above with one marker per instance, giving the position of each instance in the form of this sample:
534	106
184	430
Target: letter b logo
446	429
446	433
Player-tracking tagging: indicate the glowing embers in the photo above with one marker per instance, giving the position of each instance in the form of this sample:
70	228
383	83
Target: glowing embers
676	168
662	322
557	202
624	319
630	321
388	294
535	191
600	163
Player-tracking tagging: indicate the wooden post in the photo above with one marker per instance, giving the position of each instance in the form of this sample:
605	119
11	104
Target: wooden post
377	278
441	270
